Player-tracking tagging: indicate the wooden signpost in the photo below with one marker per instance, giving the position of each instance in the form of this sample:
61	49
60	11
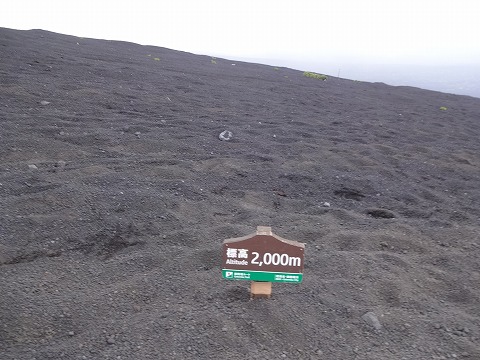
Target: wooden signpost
263	258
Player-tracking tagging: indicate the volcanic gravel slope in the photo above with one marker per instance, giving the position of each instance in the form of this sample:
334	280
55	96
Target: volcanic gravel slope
116	196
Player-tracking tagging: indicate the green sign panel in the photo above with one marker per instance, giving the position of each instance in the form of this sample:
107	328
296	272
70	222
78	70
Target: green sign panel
262	276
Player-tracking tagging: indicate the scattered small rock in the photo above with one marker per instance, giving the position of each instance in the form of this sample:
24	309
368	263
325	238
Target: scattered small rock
43	102
326	204
71	333
371	319
111	339
61	164
32	167
225	135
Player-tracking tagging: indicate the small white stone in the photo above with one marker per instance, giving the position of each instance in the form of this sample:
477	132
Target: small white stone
43	102
225	135
32	167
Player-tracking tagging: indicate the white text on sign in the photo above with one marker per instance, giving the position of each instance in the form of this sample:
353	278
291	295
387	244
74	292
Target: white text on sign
275	259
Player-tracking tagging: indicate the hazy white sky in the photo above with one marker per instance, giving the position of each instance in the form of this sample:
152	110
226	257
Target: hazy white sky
392	31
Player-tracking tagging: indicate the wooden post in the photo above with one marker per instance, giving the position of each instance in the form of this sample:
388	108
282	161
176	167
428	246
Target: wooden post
260	289
264	230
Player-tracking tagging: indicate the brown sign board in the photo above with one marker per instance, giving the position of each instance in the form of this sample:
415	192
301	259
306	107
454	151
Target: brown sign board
262	253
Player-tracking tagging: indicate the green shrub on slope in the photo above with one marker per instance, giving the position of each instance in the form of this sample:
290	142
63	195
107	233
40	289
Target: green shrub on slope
315	75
